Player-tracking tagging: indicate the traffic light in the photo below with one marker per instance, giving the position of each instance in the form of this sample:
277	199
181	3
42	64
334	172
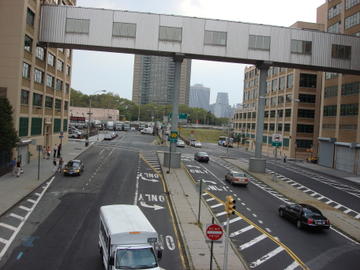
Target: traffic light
230	205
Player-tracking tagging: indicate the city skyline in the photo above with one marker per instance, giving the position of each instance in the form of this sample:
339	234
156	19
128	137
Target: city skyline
116	70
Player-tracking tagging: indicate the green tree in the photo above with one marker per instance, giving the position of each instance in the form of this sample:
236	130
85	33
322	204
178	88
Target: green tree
8	135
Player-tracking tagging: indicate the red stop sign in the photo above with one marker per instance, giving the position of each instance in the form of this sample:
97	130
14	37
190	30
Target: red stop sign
214	232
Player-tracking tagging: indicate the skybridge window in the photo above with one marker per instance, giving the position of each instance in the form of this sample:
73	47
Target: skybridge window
259	42
127	30
216	38
78	26
301	46
167	33
341	51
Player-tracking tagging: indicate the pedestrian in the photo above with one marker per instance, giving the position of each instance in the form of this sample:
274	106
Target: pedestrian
44	152
61	162
59	151
18	167
13	166
48	152
54	151
284	158
55	165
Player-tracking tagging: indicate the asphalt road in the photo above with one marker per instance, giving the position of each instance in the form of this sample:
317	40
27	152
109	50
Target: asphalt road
317	249
62	231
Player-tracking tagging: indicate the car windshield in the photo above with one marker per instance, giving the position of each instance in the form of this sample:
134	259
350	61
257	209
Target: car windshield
203	154
135	258
237	174
74	164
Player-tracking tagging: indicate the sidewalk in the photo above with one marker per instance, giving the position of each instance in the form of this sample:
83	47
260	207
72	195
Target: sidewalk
185	200
13	189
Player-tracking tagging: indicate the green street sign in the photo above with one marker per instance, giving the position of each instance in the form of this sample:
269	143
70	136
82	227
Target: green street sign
181	115
276	144
173	136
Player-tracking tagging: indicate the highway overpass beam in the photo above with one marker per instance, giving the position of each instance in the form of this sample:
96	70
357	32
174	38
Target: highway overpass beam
258	164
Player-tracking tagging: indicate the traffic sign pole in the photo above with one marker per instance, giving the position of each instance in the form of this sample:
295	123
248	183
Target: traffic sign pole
226	248
212	247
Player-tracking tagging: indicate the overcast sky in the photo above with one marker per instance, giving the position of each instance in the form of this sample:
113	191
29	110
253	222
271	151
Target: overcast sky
94	71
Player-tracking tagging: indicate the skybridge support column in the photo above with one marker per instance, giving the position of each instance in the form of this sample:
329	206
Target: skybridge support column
173	158
257	163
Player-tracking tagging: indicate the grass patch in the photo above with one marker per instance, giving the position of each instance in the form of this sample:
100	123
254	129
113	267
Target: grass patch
202	135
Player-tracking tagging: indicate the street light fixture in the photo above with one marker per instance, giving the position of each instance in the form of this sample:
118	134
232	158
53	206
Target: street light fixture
89	121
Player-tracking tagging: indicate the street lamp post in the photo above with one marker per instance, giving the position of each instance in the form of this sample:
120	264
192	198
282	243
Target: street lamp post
89	121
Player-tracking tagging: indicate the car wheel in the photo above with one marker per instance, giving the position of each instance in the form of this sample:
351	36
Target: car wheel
281	213
298	224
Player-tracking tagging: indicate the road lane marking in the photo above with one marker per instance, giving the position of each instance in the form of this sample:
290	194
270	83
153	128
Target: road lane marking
292	266
7	226
220	214
4	241
266	257
16	216
37	194
209	200
232	220
238	232
253	242
216	205
31	201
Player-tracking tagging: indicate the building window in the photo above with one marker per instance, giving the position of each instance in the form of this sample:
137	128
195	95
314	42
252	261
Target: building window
274	85
51	59
167	33
305	128
288	97
68	70
49	81
127	30
66	105
38	76
305	98
216	38
266	114
259	42
290	81
334	11
282	83
28	43
59	65
24	100
351	3
57	125
341	51
40	53
37	100
280	99
280	113
304	144
352	20
286	142
330	91
78	26
58	85
328	126
349	109
26	70
279	127
306	113
308	80
287	112
30	17
350	89
330	75
23	126
65	127
301	46
272	114
67	88
58	104
335	28
49	102
330	110
286	127
271	126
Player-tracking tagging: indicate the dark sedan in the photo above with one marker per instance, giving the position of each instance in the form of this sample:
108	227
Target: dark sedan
201	156
74	167
304	215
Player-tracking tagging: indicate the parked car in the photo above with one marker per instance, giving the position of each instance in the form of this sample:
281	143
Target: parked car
74	135
180	143
192	142
304	215
201	156
73	167
239	178
197	144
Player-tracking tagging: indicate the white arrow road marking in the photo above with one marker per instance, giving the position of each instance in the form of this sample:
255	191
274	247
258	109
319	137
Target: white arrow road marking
266	257
209	181
147	179
155	206
170	242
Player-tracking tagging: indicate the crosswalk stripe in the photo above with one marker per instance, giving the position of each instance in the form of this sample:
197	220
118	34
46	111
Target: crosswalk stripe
7	226
252	242
24	208
266	257
16	216
30	200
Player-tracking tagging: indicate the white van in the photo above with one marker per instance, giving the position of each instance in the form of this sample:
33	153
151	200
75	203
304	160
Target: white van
127	240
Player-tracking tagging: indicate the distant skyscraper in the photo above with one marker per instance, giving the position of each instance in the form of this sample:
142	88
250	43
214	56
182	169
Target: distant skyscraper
222	107
153	80
199	97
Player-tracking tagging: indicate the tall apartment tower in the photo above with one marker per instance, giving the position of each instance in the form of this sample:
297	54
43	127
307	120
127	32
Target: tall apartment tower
154	77
221	106
35	80
340	120
199	97
292	108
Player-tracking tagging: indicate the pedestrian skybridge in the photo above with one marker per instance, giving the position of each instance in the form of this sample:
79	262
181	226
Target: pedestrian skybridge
197	38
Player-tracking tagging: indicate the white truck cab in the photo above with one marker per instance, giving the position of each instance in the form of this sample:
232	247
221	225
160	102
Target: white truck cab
127	240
